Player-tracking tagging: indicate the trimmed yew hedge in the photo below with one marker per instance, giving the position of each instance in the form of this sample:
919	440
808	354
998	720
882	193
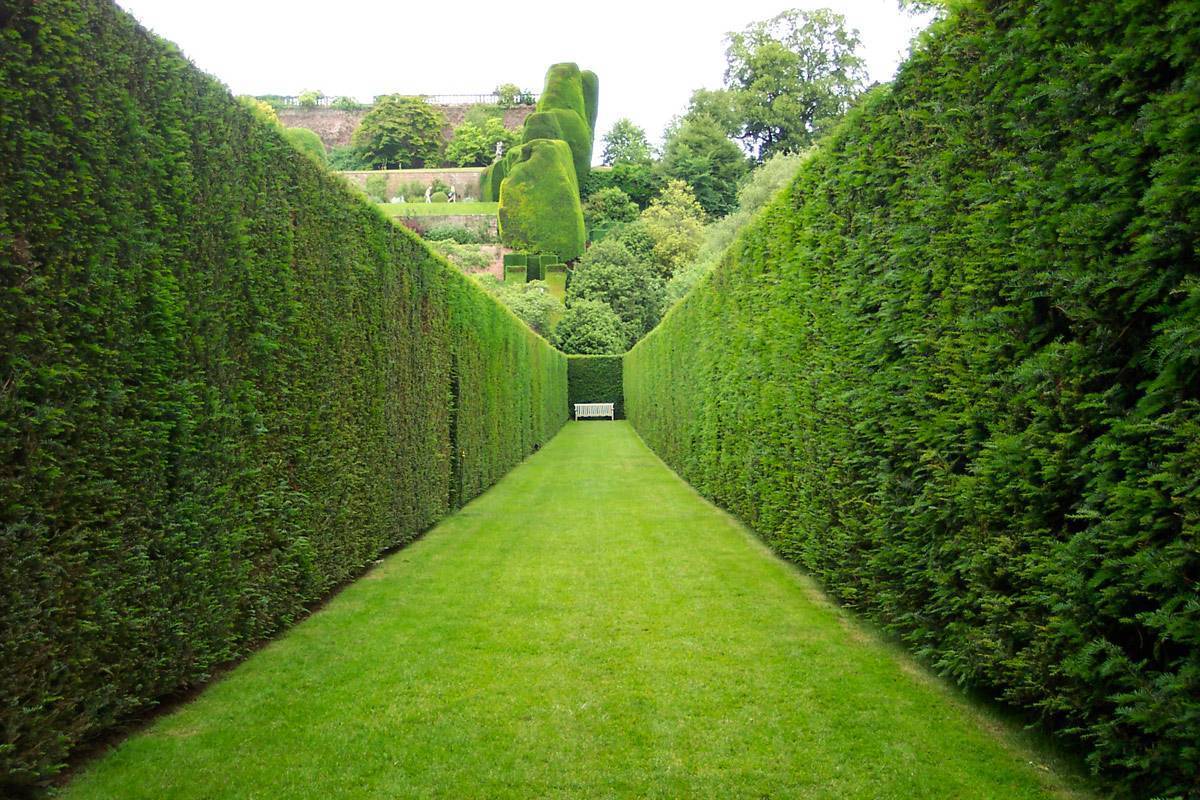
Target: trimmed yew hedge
595	379
954	371
539	201
226	384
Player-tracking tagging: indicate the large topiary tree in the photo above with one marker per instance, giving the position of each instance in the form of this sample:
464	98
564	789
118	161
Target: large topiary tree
400	131
566	125
539	201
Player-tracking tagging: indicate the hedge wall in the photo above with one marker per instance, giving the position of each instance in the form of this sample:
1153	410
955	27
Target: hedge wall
595	379
954	370
226	384
539	201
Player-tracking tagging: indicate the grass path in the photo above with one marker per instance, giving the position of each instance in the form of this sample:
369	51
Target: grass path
589	628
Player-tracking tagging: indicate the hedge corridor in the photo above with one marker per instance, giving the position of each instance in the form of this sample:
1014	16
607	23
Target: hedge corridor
954	370
226	383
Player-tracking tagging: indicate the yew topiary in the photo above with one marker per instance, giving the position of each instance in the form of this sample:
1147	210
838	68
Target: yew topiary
539	201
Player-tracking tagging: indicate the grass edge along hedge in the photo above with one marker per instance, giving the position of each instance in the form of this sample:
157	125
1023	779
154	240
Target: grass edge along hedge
953	371
227	382
596	379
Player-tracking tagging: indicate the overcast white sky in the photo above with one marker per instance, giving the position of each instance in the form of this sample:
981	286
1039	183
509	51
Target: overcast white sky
649	55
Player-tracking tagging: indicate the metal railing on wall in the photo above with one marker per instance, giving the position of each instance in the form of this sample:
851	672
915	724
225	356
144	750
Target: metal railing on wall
327	101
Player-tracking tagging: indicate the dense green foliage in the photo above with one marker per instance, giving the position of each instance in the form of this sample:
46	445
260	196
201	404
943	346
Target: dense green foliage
307	142
227	382
595	379
669	232
590	327
791	77
607	209
474	144
638	180
954	370
566	125
631	287
699	153
626	143
531	300
763	184
564	90
539	201
400	132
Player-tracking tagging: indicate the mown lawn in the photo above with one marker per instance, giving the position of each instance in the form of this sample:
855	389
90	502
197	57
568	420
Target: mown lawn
438	209
588	628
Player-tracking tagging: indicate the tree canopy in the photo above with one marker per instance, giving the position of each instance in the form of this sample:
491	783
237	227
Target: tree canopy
590	327
474	144
792	76
626	143
399	132
699	153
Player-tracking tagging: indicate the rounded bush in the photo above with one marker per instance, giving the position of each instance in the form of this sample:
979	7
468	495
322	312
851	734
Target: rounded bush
439	197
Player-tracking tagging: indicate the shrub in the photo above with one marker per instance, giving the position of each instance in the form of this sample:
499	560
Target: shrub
262	111
515	273
474	145
607	209
639	181
453	233
674	223
439	197
309	98
596	379
539	201
307	142
514	259
610	273
467	257
533	304
346	158
376	188
229	383
346	104
952	371
589	326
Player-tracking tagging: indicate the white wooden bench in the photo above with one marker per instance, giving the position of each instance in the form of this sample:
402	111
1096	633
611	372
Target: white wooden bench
594	410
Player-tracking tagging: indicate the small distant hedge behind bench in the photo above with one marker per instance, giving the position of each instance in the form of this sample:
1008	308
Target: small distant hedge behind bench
596	379
226	383
954	370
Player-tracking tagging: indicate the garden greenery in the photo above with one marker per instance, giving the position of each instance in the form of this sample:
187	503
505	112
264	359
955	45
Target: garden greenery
595	379
954	370
226	382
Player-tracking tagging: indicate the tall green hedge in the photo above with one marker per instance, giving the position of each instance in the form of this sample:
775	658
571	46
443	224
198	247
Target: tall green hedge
954	370
226	384
539	201
596	379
